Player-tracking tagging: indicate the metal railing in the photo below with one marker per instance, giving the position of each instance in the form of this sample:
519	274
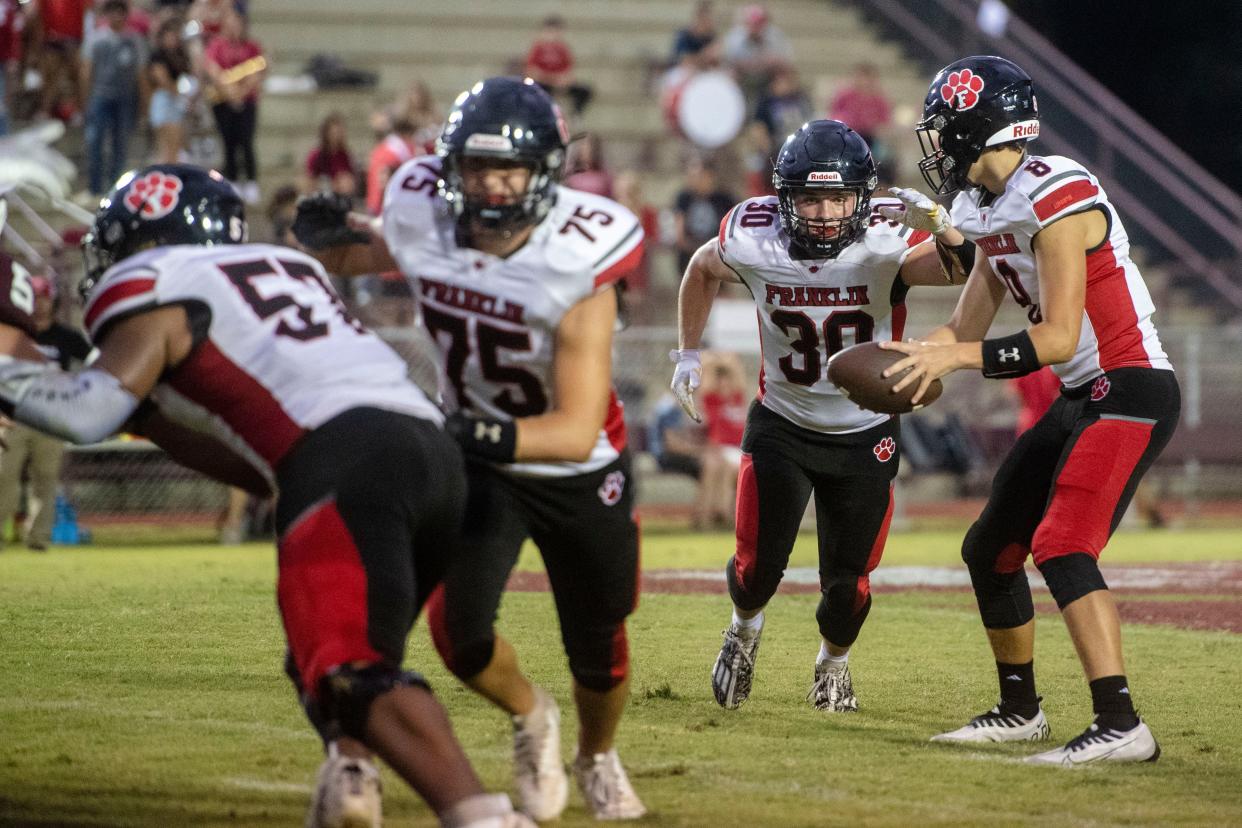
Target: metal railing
1176	210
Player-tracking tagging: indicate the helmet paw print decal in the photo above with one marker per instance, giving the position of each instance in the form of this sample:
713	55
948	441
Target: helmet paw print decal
884	450
961	90
153	196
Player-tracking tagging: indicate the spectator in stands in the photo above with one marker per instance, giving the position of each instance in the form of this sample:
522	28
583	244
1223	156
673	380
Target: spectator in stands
784	106
550	63
281	211
585	169
168	72
628	191
692	39
674	440
418	106
32	451
725	404
235	65
210	14
329	165
114	64
698	210
58	44
863	105
1036	392
12	25
393	150
757	152
755	48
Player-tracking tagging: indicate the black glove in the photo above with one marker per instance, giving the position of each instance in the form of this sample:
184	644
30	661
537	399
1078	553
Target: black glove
321	222
483	437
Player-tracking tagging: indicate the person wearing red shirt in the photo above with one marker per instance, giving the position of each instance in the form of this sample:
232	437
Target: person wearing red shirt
12	22
1036	392
61	28
237	112
724	414
550	63
329	161
391	152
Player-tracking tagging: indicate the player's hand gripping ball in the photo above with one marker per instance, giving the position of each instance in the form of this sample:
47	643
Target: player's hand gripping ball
859	372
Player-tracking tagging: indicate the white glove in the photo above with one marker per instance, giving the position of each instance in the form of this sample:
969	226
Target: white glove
921	212
686	379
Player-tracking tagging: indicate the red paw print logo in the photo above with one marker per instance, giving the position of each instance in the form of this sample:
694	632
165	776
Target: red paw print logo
884	450
153	196
961	90
1099	389
612	488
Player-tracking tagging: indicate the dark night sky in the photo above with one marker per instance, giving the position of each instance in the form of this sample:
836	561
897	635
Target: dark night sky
1179	65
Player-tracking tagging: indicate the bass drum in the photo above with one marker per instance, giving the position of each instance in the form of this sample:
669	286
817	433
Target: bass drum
711	109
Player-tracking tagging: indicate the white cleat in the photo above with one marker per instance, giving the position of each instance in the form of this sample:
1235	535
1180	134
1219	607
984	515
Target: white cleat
833	689
484	811
606	788
995	726
543	787
347	795
734	670
1097	744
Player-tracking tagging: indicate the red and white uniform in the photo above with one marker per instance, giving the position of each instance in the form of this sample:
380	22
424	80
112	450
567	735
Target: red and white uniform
1117	329
495	319
809	309
276	353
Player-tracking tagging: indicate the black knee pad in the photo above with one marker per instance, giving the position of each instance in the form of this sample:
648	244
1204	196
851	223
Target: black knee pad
837	619
471	658
594	660
1004	598
347	693
1069	577
755	595
314	712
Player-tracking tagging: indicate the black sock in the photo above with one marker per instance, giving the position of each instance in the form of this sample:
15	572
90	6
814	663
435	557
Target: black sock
1017	689
1110	699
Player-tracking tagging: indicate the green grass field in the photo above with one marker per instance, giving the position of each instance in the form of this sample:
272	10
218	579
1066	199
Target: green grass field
143	686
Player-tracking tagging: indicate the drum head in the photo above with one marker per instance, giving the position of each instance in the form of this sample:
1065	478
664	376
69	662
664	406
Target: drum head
711	109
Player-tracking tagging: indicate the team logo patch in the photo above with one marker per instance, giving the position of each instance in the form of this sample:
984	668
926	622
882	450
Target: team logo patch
153	196
961	90
884	450
1099	389
612	488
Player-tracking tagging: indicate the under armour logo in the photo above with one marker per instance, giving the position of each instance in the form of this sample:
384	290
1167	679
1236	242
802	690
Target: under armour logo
483	431
1009	355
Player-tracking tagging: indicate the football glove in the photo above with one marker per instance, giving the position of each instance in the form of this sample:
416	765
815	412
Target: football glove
920	213
322	222
687	377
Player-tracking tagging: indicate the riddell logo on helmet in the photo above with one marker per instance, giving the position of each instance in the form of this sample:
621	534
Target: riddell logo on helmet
488	143
823	176
1024	129
961	90
153	196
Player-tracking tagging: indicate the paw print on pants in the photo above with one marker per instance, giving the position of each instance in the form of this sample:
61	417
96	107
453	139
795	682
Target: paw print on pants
961	90
153	196
884	450
1099	389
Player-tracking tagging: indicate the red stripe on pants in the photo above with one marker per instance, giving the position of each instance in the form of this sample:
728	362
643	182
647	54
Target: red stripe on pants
322	592
1086	492
747	533
873	560
438	624
619	662
1011	559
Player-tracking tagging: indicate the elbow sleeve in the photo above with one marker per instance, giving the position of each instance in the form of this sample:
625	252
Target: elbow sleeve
81	407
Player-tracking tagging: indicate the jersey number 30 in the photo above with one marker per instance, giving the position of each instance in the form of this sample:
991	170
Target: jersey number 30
806	343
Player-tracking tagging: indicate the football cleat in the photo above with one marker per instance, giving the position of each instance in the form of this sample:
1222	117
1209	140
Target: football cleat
606	788
1102	744
995	726
735	668
833	689
347	795
543	787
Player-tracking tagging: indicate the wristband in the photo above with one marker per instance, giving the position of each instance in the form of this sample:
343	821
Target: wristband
1010	356
962	255
483	437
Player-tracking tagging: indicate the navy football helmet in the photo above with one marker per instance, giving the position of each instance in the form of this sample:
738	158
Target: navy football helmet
511	119
974	103
824	155
160	205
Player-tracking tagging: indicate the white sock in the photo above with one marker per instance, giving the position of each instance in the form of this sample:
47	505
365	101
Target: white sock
827	658
748	627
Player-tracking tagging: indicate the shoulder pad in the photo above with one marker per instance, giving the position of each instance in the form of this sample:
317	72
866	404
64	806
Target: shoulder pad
412	195
126	287
1056	187
589	231
748	225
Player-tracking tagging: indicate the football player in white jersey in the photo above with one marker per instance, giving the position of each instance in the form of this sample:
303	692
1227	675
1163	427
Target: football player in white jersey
515	276
827	269
241	362
1050	238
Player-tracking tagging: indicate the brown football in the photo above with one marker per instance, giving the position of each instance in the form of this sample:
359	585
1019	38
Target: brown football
858	370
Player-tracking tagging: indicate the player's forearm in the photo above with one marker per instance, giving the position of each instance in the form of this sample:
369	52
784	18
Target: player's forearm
557	436
81	407
694	305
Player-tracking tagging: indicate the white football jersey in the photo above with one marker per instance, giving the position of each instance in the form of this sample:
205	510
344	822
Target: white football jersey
276	353
494	319
810	309
1117	329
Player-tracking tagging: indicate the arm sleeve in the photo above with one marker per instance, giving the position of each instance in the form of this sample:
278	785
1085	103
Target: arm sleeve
81	407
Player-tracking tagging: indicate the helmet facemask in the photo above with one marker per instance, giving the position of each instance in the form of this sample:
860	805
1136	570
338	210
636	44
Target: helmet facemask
507	214
823	238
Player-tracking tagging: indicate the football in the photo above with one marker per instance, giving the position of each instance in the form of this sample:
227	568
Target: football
858	371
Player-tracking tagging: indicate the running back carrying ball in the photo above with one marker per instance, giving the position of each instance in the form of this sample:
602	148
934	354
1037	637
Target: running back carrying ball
858	371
